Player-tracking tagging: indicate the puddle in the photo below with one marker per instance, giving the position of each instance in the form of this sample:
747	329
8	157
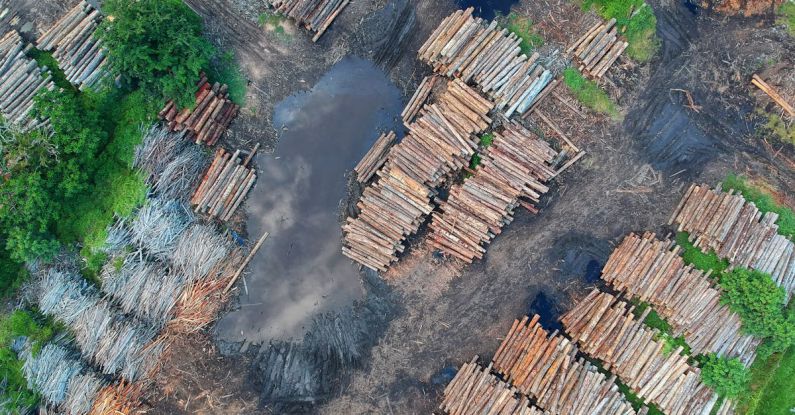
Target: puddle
580	257
300	271
488	9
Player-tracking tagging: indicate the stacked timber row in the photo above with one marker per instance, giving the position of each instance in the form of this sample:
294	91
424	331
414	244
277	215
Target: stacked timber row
225	185
515	166
419	98
468	48
606	329
737	231
475	391
598	49
315	15
79	54
8	17
652	271
545	367
20	80
440	142
375	158
209	119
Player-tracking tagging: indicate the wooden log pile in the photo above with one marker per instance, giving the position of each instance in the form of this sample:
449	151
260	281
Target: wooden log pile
20	80
8	16
466	47
209	119
545	367
419	98
515	166
79	54
652	271
737	231
225	185
597	50
475	391
375	158
605	328
441	141
315	15
760	83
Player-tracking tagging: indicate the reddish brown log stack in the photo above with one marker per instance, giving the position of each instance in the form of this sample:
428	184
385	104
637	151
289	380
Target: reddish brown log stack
468	48
515	166
475	391
225	185
598	49
20	80
315	15
79	54
209	119
606	329
375	158
738	231
652	271
545	367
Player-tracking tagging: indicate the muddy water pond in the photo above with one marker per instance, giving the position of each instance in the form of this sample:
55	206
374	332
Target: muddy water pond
300	270
488	9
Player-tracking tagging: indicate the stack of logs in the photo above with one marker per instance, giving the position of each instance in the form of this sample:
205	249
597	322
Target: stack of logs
225	185
315	15
475	391
757	81
79	54
8	17
20	80
418	99
466	47
375	158
598	49
546	368
515	166
606	329
737	231
440	142
649	270
209	119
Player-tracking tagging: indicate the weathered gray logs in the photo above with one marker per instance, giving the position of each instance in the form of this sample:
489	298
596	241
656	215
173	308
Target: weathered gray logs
224	187
315	15
375	158
738	231
418	99
20	80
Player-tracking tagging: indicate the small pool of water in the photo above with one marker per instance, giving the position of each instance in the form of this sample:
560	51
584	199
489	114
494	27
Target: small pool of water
300	270
488	9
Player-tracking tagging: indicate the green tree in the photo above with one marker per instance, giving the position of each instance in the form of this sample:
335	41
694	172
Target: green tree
157	44
727	377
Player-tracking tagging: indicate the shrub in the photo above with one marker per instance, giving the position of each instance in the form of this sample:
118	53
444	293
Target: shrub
727	377
157	44
589	93
523	28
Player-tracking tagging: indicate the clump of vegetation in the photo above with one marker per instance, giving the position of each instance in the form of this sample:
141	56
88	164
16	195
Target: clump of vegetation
485	141
778	128
655	321
12	273
46	59
589	93
225	69
523	28
786	16
635	20
156	44
693	256
764	202
727	377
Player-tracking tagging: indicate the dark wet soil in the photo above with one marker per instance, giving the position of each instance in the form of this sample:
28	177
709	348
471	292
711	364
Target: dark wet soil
300	272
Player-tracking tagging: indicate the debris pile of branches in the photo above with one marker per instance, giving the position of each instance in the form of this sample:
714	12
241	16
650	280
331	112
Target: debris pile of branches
738	231
315	15
465	47
158	225
225	185
62	378
440	142
760	83
170	165
419	98
475	391
375	158
546	368
606	329
598	49
515	166
158	148
121	398
112	341
20	80
652	271
209	119
79	54
199	250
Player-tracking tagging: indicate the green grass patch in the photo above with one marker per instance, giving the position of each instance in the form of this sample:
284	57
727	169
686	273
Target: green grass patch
589	93
778	128
693	256
523	28
786	16
764	201
635	20
46	59
224	69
